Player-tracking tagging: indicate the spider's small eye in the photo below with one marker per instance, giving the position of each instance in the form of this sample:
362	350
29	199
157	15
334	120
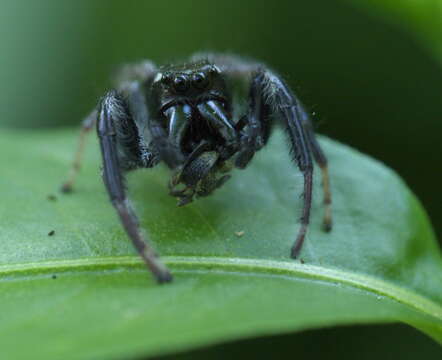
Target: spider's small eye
180	84
200	81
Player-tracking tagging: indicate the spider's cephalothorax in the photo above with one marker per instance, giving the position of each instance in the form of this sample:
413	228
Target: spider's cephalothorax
198	135
200	118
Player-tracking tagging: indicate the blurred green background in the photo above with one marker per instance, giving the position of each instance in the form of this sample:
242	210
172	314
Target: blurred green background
370	83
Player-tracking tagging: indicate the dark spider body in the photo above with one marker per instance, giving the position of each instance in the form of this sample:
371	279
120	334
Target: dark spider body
201	118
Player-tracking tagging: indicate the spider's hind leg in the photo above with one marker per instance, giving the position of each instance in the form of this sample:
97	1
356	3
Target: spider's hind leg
322	162
86	126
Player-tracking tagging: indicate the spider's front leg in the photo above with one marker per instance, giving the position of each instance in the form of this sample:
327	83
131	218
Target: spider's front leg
277	99
118	135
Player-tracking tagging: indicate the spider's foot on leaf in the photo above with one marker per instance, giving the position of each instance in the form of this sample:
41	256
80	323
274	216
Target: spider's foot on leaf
164	277
327	223
327	226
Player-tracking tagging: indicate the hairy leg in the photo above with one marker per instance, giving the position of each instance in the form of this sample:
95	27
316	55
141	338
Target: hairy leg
254	126
285	106
270	97
321	160
115	126
127	80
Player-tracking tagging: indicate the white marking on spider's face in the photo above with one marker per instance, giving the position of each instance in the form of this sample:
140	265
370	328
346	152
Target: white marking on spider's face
158	77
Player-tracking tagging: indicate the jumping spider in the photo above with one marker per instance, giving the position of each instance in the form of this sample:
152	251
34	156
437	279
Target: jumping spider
201	118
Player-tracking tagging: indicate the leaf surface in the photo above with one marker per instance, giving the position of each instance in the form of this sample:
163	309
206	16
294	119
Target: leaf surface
83	293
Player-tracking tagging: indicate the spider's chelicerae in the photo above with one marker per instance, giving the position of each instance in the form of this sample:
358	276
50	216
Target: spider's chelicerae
201	118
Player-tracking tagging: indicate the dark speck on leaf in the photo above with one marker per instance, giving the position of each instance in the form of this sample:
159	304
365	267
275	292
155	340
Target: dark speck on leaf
52	232
54	277
52	197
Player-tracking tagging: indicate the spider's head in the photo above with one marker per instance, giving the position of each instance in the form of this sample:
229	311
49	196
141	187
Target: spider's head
194	112
188	83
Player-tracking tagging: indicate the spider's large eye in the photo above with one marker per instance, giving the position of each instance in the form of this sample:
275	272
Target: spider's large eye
200	81
180	84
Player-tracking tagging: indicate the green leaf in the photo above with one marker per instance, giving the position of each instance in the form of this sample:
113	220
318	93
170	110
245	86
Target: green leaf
422	18
83	293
